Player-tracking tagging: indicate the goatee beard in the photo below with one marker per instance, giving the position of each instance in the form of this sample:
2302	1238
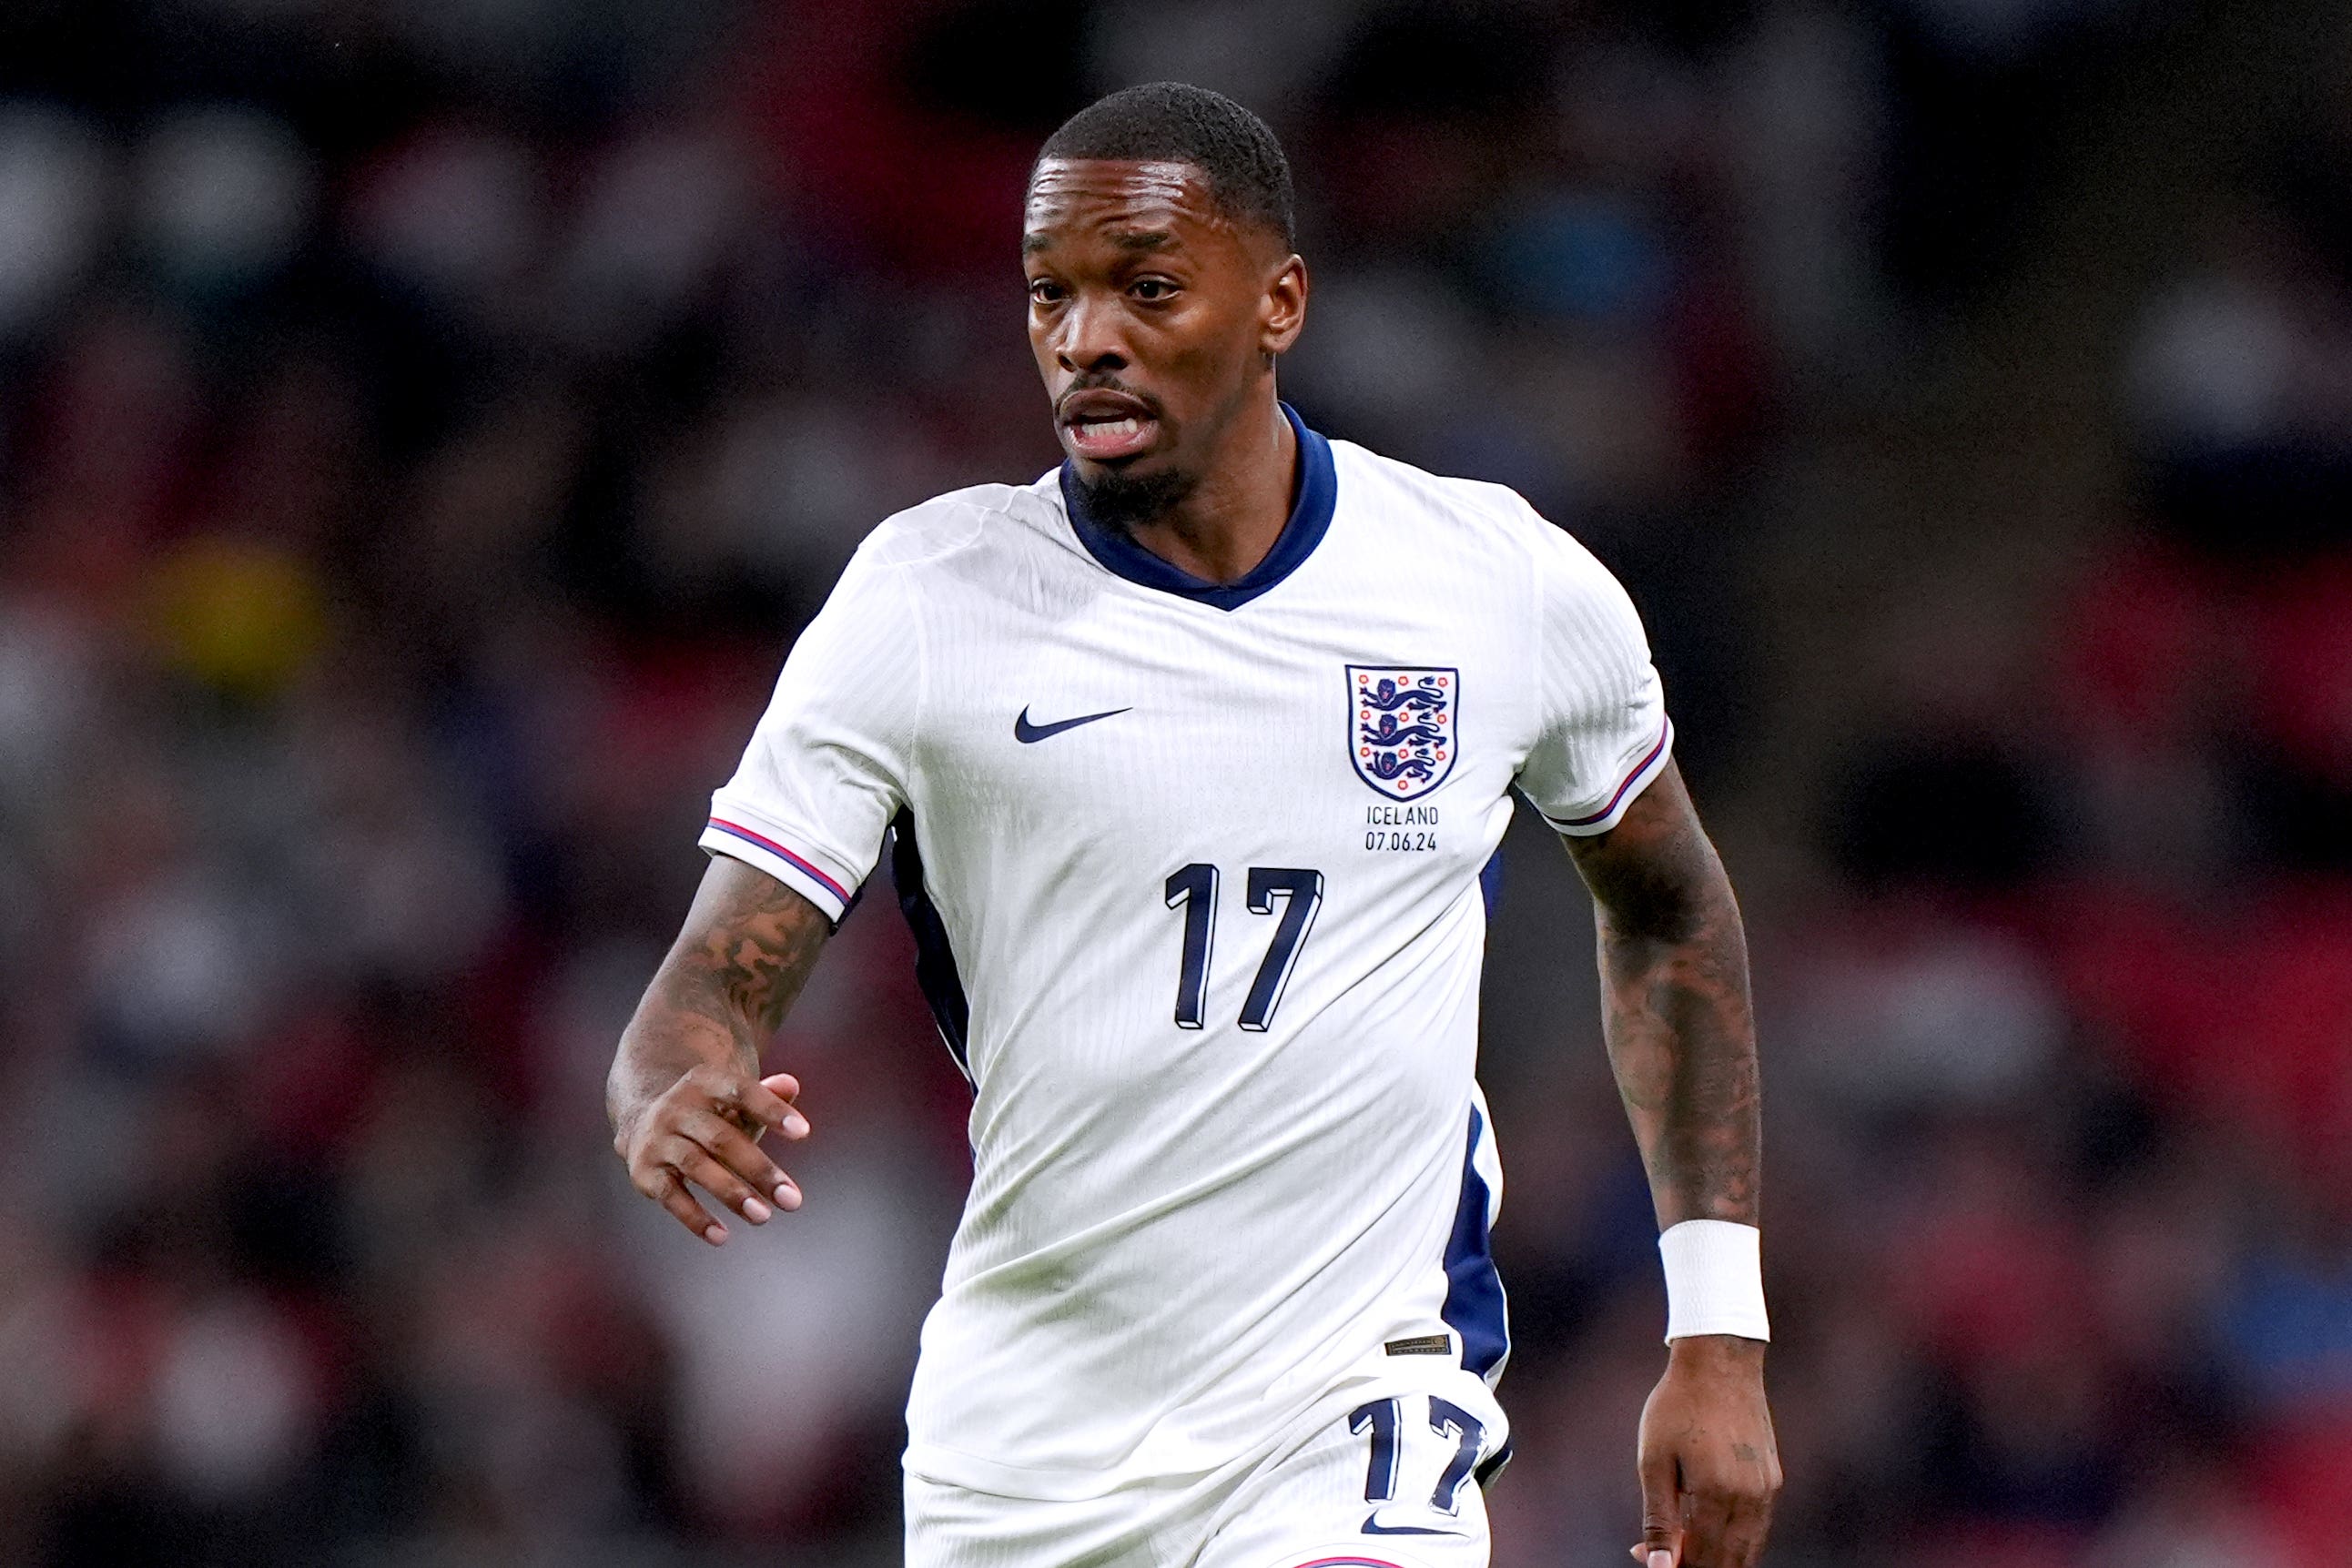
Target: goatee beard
1119	503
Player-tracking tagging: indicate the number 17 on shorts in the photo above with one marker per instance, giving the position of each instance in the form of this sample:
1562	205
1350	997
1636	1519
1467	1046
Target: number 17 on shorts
1398	1504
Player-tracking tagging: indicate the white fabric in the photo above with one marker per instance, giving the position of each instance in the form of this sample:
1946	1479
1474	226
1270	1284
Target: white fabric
1714	1280
1178	1239
1302	1498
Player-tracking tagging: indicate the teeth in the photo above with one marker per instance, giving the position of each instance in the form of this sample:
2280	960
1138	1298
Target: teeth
1114	427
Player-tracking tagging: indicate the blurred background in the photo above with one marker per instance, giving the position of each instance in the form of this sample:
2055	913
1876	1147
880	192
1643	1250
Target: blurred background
424	427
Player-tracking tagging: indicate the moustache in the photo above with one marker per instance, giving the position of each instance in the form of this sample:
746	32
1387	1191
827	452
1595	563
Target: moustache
1105	382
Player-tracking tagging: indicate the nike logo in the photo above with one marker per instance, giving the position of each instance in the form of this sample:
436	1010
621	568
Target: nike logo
1372	1526
1029	734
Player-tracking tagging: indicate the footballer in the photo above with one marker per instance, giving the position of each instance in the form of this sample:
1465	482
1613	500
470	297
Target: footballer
1186	759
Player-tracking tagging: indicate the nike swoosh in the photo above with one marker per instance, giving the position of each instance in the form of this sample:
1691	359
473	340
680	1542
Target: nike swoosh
1372	1526
1029	734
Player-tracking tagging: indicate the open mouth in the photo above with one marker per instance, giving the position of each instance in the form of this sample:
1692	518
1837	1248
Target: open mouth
1105	425
1105	439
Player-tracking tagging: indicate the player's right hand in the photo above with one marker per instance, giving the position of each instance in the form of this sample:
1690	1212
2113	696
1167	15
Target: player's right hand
704	1131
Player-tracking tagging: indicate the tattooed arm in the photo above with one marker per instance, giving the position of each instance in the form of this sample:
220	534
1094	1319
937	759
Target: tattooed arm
685	1095
1682	1039
1674	972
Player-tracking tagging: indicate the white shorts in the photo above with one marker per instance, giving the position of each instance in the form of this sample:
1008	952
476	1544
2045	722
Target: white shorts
1393	1480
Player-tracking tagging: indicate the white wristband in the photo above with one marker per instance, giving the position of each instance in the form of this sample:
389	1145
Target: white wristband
1714	1280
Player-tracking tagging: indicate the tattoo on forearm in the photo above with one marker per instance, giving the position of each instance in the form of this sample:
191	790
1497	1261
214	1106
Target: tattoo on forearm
1675	1010
757	949
745	953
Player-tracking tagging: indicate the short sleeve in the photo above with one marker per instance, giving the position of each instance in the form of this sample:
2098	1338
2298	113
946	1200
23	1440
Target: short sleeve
1602	733
826	769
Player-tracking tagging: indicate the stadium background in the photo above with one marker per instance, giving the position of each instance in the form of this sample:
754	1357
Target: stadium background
422	428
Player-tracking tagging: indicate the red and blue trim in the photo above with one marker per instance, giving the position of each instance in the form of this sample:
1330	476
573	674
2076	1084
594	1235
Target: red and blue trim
1349	1562
1665	733
797	862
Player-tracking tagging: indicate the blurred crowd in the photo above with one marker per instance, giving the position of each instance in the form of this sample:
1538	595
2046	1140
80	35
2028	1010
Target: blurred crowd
423	428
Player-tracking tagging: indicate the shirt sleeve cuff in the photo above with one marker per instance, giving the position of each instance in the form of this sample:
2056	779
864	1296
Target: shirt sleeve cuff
729	834
1612	810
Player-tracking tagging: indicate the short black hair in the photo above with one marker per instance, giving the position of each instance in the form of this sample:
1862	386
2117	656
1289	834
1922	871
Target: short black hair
1173	121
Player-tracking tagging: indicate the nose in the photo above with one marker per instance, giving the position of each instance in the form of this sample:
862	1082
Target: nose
1089	338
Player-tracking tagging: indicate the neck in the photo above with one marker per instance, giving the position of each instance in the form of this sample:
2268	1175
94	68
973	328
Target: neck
1229	521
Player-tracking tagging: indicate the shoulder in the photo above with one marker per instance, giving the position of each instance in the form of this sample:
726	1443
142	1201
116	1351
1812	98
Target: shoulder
945	525
986	549
1493	520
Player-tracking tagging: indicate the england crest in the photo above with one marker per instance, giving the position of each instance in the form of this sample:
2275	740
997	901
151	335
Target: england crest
1401	726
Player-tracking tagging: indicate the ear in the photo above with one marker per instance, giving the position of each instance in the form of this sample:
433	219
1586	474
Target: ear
1282	309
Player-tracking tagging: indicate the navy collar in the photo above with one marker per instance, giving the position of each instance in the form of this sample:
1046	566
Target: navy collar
1311	516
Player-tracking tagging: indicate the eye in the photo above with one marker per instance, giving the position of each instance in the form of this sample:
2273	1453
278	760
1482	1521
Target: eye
1043	291
1152	290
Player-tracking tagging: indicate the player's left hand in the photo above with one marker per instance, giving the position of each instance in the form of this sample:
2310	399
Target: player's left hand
1710	1467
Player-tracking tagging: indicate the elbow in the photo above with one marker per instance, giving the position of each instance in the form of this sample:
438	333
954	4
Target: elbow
1673	914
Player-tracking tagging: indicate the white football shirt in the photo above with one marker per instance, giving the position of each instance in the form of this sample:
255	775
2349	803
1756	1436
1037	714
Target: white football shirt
1194	874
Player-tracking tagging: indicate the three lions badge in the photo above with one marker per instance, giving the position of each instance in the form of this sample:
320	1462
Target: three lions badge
1400	719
